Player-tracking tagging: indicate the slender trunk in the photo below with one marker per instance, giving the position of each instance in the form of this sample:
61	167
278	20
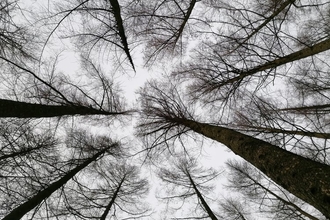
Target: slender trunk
121	31
107	209
269	19
303	53
185	20
309	109
200	197
283	131
9	108
307	179
27	206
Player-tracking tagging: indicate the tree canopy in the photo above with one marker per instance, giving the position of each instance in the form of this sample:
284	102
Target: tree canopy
246	77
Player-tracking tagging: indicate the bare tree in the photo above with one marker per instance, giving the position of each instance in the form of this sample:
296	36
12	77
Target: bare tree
117	190
15	39
98	25
268	196
186	180
233	209
59	95
27	162
305	178
88	155
164	25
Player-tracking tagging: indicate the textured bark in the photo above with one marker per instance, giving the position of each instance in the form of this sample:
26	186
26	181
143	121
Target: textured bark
9	108
307	179
284	201
201	198
27	206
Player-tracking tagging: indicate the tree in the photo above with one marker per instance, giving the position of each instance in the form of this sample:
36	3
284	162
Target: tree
14	37
187	179
46	191
97	25
117	190
17	109
233	209
235	60
59	96
269	197
163	25
305	178
28	161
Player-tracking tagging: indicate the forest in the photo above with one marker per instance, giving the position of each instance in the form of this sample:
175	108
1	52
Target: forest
171	109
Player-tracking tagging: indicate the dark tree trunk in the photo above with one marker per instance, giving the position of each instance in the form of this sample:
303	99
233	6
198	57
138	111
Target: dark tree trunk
27	206
201	198
283	131
303	53
120	27
308	109
112	201
307	179
284	201
15	109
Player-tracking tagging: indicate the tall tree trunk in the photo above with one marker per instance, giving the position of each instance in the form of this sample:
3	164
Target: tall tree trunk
27	206
187	15
263	24
9	108
308	109
106	211
307	179
201	198
303	53
283	131
121	31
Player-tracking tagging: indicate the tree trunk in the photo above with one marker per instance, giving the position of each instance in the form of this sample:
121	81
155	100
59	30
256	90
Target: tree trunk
200	197
307	179
27	206
283	131
9	108
308	109
286	202
121	31
303	53
106	211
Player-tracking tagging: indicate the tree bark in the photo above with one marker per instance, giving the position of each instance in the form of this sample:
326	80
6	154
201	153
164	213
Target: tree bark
307	179
288	203
27	206
16	109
